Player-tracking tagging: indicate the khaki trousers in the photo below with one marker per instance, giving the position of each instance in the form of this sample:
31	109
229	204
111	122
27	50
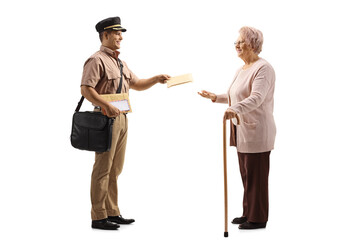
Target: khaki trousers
254	169
106	169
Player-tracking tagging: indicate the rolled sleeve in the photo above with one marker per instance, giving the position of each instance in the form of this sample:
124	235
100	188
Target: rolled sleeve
92	72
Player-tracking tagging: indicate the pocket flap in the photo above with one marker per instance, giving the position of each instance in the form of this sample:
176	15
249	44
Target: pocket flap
113	75
126	73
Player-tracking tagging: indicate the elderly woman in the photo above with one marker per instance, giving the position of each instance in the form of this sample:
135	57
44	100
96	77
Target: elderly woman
251	97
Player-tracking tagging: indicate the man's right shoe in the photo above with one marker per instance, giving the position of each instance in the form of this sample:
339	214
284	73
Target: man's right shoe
120	220
239	220
104	224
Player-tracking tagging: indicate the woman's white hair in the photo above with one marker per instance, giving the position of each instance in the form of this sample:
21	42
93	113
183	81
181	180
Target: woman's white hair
252	37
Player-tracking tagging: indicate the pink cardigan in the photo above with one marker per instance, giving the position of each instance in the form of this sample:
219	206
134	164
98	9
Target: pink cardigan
251	96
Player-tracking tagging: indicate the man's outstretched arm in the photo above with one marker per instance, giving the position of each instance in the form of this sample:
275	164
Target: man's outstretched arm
143	84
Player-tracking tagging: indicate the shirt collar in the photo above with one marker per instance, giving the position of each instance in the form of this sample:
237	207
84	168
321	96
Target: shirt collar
112	53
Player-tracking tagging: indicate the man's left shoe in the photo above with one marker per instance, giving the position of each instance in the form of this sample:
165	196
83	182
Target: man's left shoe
120	220
251	225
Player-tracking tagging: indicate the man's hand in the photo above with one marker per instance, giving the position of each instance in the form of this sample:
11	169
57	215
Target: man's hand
143	84
111	111
162	78
107	109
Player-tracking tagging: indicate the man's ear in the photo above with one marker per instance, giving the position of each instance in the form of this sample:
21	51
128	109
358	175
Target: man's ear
105	35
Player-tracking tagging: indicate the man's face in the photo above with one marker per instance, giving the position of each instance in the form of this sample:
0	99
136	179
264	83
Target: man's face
113	40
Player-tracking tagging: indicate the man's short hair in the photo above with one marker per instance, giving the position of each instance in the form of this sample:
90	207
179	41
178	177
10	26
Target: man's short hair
101	35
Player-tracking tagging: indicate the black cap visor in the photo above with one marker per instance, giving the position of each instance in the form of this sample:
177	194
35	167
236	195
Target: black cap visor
119	29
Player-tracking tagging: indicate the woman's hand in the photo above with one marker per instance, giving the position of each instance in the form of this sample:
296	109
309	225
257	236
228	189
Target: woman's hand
208	95
229	114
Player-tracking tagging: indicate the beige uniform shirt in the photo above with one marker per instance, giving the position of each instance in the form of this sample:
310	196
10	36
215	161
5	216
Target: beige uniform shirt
102	72
251	96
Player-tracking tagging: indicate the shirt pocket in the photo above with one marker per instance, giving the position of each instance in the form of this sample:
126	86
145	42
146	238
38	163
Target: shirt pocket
113	80
126	79
126	75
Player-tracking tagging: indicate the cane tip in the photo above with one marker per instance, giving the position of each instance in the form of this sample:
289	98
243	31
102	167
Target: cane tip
226	234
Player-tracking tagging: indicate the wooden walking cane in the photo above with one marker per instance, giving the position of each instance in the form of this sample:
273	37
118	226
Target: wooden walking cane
226	233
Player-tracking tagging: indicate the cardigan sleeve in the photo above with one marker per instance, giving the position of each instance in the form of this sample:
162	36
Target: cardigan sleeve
221	98
260	86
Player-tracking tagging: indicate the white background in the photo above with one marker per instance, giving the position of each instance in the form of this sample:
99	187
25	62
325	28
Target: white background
172	182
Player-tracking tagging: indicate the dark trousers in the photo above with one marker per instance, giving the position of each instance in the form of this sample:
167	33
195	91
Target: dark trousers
254	169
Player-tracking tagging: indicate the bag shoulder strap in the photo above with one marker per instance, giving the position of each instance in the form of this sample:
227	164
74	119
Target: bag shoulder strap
79	104
117	91
121	76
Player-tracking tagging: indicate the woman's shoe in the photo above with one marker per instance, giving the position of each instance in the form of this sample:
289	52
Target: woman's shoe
251	225
239	220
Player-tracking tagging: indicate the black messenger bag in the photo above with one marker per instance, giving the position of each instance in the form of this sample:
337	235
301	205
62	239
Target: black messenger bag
92	131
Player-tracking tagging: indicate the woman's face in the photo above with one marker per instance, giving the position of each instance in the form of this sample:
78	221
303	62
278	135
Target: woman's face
242	48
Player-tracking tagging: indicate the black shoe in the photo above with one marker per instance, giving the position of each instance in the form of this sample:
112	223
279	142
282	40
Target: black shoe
251	225
239	220
104	224
120	220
